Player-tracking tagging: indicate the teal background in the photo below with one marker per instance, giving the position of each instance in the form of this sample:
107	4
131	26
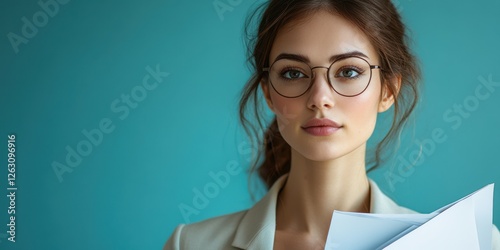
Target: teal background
126	193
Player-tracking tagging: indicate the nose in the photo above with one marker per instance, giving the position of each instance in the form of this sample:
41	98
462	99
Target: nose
321	92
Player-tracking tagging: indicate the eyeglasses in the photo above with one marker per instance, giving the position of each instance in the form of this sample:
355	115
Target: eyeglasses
348	76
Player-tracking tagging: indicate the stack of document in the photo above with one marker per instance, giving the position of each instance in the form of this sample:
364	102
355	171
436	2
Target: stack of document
464	224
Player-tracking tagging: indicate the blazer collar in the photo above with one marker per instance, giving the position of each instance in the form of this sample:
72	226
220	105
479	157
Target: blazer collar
257	227
382	204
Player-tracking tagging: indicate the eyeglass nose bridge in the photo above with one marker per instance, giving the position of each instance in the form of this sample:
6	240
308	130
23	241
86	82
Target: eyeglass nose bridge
314	75
320	67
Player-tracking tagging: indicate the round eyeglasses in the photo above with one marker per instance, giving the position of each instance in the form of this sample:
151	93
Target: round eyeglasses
348	76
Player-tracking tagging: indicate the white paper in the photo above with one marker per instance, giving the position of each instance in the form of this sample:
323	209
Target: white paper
464	224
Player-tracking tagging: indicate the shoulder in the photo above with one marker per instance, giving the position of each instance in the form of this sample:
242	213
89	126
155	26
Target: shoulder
213	233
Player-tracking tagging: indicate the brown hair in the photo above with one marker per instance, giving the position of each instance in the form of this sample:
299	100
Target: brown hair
380	22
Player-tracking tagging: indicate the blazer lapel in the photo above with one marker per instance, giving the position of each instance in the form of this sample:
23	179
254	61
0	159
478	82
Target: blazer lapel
257	227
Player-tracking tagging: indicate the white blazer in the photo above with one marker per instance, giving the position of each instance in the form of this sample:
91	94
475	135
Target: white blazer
254	228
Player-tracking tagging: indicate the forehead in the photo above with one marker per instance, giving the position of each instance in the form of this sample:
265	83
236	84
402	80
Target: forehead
319	36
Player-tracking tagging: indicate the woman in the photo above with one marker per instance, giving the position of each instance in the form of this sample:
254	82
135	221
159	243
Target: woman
326	70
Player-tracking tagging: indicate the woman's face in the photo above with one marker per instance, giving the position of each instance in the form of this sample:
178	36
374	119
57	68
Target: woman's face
319	37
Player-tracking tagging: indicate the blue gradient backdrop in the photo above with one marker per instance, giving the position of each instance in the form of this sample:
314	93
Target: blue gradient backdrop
125	194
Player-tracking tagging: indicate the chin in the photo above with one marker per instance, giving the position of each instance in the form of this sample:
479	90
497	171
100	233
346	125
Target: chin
321	155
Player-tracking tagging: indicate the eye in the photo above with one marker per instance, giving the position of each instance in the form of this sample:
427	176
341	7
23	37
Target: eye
348	73
292	74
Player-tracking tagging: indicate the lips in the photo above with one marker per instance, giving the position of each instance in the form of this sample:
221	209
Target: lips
321	127
321	123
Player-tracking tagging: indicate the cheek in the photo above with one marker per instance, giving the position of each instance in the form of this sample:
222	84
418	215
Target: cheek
361	111
287	110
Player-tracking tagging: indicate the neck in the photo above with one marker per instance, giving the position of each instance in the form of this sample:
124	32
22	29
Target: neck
314	190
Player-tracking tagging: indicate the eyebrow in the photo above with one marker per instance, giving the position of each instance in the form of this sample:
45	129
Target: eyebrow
305	58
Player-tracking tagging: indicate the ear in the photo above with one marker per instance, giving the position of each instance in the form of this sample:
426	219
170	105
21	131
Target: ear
265	89
387	96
